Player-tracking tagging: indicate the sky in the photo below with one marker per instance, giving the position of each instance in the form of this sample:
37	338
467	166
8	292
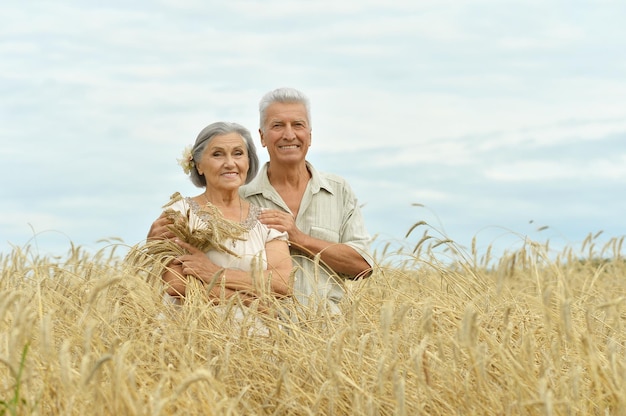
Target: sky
496	121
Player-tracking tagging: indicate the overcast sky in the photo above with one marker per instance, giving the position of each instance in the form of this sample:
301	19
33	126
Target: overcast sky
498	117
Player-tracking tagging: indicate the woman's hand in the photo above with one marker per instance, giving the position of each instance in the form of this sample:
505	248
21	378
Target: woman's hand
159	230
196	263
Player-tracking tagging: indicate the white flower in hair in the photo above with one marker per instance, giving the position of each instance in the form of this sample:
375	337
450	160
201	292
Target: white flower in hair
187	160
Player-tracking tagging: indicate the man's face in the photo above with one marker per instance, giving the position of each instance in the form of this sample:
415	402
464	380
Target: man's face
286	132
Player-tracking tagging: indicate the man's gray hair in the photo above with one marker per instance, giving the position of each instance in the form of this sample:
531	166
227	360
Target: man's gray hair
283	95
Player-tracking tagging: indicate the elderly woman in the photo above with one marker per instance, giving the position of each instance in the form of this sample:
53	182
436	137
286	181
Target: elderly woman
237	255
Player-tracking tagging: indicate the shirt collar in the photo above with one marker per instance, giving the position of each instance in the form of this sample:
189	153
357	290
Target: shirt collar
261	183
318	181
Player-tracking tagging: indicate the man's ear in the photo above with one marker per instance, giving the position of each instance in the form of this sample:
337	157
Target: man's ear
262	139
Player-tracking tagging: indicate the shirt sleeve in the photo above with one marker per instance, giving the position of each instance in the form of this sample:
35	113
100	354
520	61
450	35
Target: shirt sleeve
273	234
354	233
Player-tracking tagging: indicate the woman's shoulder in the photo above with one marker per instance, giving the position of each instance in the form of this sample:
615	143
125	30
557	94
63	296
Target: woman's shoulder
268	233
252	219
254	210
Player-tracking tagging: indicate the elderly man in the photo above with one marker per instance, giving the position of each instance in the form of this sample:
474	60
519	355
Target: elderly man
318	210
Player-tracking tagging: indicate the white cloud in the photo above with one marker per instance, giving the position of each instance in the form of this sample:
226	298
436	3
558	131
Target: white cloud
612	168
431	195
562	133
446	95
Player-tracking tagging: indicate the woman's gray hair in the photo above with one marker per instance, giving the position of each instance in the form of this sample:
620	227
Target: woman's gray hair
221	128
283	95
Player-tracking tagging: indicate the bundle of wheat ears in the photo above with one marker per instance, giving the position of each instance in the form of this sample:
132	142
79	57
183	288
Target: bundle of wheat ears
153	256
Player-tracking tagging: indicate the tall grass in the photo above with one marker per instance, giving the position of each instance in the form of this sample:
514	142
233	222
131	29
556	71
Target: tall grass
525	334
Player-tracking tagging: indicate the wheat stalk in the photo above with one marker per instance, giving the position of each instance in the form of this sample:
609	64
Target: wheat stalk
154	255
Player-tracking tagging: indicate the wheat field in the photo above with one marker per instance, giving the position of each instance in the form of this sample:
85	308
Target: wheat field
435	330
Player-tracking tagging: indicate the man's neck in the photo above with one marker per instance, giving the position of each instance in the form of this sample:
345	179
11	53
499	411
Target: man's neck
288	175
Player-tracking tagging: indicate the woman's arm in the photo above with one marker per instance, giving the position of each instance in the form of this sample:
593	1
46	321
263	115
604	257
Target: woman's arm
175	282
278	271
280	266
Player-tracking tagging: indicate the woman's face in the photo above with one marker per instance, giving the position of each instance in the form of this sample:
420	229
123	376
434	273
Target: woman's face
225	162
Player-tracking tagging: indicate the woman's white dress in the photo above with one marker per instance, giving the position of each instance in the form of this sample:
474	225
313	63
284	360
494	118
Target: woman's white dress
249	248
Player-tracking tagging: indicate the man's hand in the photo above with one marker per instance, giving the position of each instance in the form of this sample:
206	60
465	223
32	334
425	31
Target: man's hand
340	257
281	221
